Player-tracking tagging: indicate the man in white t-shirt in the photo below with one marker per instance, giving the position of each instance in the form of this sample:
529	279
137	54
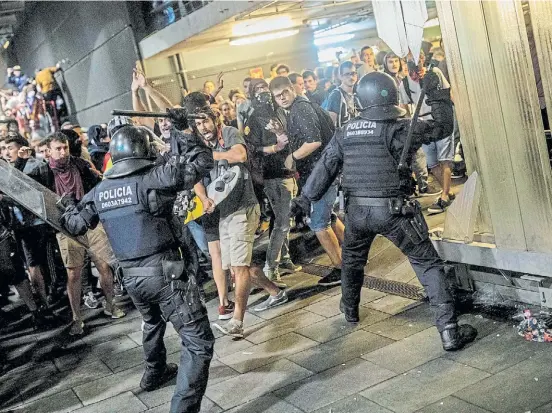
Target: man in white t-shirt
439	154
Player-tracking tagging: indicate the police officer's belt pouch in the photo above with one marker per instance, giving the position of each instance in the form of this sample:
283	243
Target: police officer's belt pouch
173	272
187	299
416	229
395	206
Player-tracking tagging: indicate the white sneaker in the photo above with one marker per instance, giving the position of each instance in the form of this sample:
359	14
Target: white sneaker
231	329
90	301
272	301
113	311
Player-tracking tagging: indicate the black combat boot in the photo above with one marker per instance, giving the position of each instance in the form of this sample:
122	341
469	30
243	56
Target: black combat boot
351	314
152	381
454	336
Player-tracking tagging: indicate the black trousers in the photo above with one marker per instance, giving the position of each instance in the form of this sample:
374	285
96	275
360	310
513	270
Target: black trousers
157	303
362	224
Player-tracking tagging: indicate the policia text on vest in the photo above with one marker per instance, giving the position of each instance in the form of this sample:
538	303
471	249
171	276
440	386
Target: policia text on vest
118	197
363	128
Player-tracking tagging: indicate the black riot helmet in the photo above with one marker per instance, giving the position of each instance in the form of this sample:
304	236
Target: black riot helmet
130	150
379	97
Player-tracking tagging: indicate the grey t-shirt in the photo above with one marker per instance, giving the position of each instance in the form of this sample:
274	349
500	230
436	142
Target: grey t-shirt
243	195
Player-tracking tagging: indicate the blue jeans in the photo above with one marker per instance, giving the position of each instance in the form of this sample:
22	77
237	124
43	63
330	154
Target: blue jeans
156	301
321	211
199	237
279	192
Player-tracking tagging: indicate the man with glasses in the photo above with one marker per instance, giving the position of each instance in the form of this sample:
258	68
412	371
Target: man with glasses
309	128
343	105
272	150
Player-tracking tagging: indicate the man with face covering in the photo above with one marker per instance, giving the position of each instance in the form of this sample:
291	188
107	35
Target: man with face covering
278	175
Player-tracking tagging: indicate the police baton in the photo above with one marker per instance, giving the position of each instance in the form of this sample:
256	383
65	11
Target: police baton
408	144
170	113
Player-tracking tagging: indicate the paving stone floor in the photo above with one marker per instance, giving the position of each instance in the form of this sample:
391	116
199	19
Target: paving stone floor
300	357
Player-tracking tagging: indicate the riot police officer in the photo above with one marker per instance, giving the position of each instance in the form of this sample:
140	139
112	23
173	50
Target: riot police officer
134	204
367	151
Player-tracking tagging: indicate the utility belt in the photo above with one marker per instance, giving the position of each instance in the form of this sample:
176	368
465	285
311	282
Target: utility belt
414	226
172	271
398	206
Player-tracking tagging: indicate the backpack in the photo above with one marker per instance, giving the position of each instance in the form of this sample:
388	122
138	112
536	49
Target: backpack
327	127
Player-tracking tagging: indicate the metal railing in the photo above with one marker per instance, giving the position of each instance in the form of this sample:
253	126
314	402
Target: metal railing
160	14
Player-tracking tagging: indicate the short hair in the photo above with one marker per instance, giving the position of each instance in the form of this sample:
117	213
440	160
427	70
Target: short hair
282	66
17	139
247	79
280	82
274	66
194	101
208	81
232	93
308	73
347	64
293	77
44	142
365	48
57	137
380	57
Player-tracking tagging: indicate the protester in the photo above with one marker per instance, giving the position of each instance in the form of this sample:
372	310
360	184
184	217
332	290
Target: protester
314	94
239	215
342	103
439	154
278	176
228	114
309	129
282	70
369	61
298	84
71	177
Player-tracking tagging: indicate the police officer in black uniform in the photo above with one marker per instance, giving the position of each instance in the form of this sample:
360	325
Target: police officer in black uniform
367	151
134	204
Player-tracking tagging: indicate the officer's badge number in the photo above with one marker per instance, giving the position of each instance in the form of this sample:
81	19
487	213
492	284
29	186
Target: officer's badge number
117	196
363	128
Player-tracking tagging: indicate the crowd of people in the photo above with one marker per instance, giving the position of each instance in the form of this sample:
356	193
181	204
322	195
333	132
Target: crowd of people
273	130
36	102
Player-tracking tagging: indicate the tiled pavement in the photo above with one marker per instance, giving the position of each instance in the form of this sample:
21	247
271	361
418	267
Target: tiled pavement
300	357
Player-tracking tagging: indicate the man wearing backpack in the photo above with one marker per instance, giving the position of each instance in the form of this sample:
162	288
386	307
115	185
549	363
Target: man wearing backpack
342	103
309	129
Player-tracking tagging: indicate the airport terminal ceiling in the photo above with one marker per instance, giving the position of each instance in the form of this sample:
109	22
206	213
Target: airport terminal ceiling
280	17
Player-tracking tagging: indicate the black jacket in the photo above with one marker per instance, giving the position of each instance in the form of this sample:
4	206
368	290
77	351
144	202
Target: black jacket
330	163
45	176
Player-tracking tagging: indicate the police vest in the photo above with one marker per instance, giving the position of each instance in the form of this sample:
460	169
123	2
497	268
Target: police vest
369	169
133	218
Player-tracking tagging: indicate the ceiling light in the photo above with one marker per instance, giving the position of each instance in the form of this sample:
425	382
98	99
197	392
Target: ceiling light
263	37
249	27
321	41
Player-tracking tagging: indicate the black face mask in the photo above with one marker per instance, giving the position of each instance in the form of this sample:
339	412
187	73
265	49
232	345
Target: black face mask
265	99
